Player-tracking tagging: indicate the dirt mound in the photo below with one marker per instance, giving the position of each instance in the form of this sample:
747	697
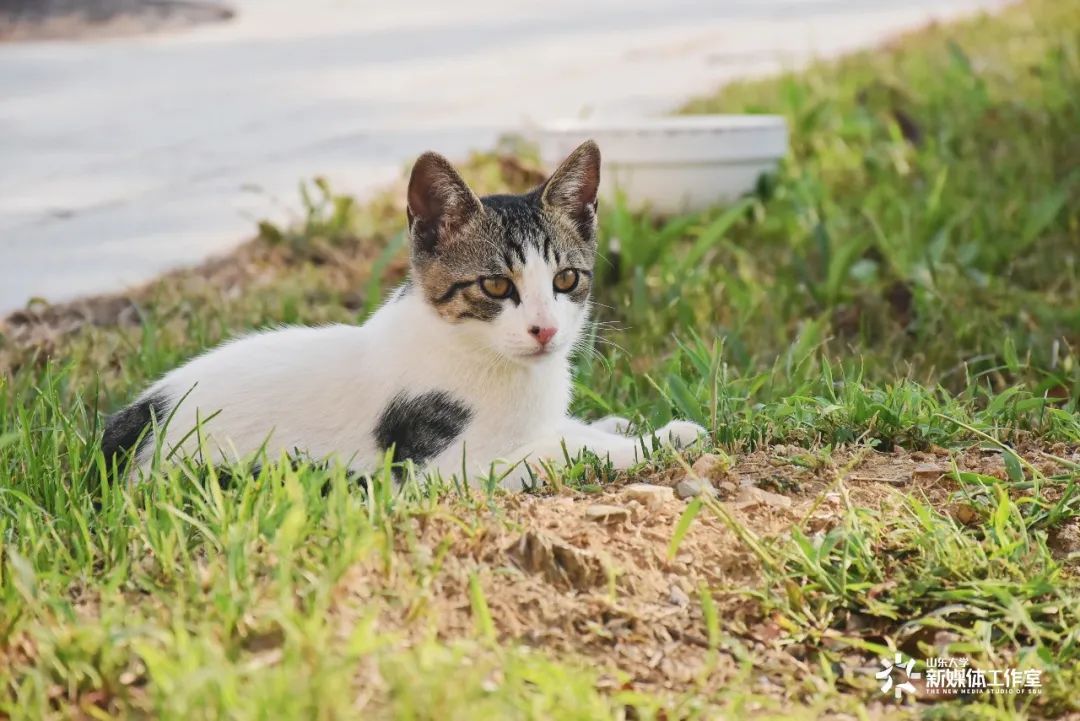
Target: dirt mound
598	577
559	579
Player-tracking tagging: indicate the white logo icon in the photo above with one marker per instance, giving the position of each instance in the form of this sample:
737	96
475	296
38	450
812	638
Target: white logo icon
894	668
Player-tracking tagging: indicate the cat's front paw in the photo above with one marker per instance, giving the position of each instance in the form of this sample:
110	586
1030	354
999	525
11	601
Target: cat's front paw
612	424
680	434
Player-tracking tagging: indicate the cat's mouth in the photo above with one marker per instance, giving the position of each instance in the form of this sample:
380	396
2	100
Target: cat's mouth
538	352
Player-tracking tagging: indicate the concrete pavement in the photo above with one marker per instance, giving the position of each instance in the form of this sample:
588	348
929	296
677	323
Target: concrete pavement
120	159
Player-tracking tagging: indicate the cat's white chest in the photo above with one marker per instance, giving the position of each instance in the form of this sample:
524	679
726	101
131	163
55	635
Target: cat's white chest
518	409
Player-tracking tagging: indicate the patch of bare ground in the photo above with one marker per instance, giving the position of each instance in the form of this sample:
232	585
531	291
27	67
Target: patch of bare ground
590	576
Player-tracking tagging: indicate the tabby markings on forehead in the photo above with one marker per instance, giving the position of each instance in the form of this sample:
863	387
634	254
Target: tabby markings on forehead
519	249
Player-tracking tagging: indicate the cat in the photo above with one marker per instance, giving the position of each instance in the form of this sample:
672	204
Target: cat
465	367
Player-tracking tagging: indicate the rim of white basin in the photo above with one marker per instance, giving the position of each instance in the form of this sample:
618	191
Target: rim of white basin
669	124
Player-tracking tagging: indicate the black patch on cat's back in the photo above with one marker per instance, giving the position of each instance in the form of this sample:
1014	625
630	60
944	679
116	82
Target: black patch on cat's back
421	427
131	427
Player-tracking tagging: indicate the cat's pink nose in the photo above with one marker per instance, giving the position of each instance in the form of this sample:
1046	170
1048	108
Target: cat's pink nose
542	334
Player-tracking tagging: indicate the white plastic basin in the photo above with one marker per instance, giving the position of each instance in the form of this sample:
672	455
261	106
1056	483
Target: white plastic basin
674	164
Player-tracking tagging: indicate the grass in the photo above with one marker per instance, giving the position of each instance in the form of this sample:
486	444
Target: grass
902	296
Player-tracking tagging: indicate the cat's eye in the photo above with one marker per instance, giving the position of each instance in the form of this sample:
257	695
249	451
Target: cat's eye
497	286
566	280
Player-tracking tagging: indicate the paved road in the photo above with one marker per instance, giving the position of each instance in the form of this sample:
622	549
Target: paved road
123	158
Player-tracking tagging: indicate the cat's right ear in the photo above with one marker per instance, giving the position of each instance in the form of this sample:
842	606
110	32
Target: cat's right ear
439	203
572	188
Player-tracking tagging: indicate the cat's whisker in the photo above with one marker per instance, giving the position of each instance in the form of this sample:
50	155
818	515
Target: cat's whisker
612	344
592	348
602	333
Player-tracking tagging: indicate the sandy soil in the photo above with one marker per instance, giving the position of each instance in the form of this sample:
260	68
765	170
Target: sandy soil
590	576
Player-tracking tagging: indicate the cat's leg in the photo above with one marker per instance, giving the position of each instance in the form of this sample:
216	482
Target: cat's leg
527	463
623	451
678	433
574	436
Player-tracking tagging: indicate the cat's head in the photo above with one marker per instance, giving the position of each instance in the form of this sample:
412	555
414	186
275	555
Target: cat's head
513	272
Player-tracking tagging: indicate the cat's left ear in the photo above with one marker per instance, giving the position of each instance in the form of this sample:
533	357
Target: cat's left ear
573	186
439	203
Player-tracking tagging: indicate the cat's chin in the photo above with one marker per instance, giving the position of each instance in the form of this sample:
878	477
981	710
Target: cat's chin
539	355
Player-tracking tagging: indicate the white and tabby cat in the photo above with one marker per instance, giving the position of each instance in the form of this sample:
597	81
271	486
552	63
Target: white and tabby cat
470	356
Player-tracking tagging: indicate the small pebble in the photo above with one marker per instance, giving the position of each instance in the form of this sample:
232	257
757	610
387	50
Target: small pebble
694	487
927	472
607	514
678	597
750	496
648	495
727	489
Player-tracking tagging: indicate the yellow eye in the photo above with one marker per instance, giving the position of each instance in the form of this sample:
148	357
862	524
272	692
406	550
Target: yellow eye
497	286
566	280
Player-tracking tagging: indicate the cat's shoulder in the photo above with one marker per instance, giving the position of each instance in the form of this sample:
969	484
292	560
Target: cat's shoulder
281	343
295	335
